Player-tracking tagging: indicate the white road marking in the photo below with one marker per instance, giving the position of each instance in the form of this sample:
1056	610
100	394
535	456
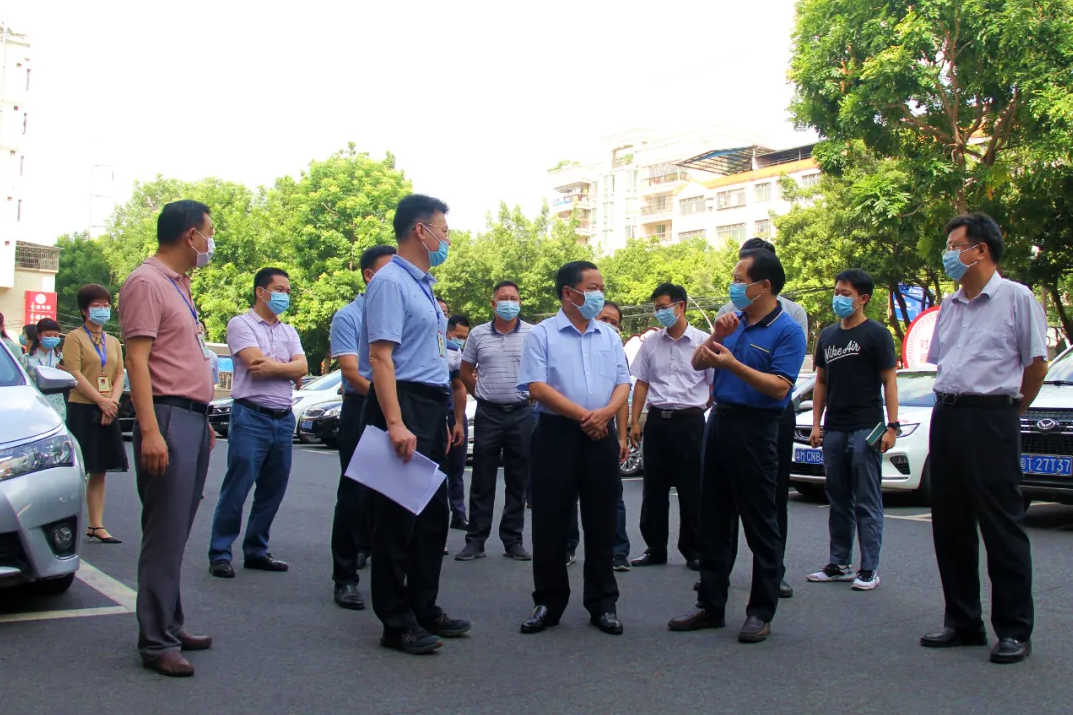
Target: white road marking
52	615
910	517
110	588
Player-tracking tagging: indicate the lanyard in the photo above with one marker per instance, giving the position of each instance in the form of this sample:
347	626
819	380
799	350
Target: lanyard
189	305
102	351
428	293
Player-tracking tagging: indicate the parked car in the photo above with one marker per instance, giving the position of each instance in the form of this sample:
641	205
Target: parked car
320	423
1047	437
126	409
316	391
41	481
220	415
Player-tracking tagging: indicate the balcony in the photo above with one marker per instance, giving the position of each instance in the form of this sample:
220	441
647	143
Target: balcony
568	203
658	209
585	228
661	237
37	258
665	181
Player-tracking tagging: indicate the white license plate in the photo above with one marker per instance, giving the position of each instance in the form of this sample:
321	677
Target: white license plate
808	456
307	425
1047	464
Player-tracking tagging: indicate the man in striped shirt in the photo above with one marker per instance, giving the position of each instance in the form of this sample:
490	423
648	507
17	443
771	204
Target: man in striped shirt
502	427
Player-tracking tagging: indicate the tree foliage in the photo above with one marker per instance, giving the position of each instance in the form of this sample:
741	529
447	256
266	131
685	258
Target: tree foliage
81	263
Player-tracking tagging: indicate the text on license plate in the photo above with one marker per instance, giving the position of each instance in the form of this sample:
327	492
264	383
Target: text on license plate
307	425
1048	464
808	456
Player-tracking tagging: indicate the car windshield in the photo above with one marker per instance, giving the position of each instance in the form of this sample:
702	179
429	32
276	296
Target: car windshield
10	375
1061	370
916	389
325	382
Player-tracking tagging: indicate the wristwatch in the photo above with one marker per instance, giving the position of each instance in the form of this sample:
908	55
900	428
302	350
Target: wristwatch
896	426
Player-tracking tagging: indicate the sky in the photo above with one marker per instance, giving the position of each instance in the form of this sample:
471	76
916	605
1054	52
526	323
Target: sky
476	99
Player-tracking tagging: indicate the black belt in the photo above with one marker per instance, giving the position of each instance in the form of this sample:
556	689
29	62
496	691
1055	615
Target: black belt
434	392
678	414
725	409
182	403
273	413
512	407
946	398
353	397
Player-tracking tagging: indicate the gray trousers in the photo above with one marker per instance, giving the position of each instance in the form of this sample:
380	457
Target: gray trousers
169	504
853	487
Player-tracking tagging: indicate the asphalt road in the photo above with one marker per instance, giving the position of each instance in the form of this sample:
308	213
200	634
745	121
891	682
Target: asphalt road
282	646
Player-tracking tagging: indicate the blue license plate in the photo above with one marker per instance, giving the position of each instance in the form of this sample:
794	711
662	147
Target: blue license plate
307	425
1047	464
808	456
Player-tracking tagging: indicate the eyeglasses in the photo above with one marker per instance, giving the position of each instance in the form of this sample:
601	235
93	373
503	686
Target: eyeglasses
446	231
961	246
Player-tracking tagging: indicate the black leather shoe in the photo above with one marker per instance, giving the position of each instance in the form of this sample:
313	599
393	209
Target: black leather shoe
348	596
538	621
265	563
417	642
1010	650
447	627
647	559
221	568
459	522
950	638
696	619
754	630
693	564
696	586
360	561
608	623
785	590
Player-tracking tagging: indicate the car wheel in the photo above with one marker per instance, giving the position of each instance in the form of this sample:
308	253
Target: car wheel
811	492
331	443
1027	500
52	586
221	432
307	439
923	492
634	465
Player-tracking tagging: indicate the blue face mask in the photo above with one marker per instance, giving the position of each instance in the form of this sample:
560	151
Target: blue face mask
594	303
666	317
278	302
738	297
437	257
457	342
22	340
952	263
50	343
508	309
843	306
100	315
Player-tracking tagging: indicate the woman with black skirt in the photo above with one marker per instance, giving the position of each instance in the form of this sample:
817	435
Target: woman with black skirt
95	359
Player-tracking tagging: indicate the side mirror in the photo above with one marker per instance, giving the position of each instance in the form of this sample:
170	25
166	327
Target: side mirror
53	381
805	406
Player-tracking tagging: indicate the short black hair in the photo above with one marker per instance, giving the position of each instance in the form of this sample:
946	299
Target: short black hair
178	217
755	244
3	327
455	320
981	228
570	275
441	300
613	304
371	255
91	292
265	275
766	266
42	325
861	281
505	284
676	293
413	209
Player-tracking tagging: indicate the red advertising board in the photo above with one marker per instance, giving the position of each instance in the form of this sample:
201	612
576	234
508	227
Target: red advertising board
40	304
918	338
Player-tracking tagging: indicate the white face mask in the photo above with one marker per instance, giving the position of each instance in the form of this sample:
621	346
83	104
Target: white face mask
203	259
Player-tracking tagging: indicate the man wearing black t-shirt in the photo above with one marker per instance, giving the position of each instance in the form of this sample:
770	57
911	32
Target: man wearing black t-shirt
854	358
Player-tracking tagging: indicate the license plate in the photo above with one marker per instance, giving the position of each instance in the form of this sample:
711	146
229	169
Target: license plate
808	456
1048	464
307	425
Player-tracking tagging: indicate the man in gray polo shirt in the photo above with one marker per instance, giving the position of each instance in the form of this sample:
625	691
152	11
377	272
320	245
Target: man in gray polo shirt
502	427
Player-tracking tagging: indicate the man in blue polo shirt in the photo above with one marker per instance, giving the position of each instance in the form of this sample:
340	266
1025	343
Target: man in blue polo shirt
575	368
403	346
756	354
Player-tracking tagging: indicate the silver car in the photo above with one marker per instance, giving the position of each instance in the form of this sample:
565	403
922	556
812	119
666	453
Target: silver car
41	481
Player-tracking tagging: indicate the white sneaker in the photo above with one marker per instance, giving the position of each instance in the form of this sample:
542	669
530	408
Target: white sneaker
865	581
832	572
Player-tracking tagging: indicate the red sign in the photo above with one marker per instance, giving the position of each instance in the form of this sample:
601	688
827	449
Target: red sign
40	305
918	338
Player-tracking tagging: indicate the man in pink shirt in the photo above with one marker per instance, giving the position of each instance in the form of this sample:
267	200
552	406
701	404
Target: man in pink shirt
170	386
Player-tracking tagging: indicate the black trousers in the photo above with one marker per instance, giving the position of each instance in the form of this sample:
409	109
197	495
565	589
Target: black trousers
740	475
672	459
507	433
976	474
566	462
352	526
407	549
456	469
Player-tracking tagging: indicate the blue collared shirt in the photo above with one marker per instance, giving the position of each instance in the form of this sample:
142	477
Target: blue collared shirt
583	368
346	335
774	345
400	308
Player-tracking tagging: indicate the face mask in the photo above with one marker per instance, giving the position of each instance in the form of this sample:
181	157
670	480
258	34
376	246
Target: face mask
278	302
50	343
843	307
738	297
22	340
203	259
508	309
100	315
952	263
594	303
437	257
666	317
457	342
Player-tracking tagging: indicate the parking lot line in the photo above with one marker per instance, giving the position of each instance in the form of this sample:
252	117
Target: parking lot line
124	596
52	615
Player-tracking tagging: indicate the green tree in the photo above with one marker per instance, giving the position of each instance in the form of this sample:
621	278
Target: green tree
81	261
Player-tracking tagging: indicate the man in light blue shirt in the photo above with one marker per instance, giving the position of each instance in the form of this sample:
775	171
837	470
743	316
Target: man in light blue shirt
575	368
403	346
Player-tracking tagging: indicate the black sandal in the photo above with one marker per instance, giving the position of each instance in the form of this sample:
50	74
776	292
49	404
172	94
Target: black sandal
91	534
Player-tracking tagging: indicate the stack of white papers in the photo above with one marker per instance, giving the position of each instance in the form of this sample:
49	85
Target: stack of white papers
410	485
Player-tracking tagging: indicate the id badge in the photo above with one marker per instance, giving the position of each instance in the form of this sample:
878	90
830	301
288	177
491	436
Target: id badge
204	348
104	385
443	347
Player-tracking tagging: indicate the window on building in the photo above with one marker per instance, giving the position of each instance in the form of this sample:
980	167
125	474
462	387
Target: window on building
609	184
762	192
661	230
731	198
762	228
18	211
692	205
731	232
688	235
24	122
631	232
810	179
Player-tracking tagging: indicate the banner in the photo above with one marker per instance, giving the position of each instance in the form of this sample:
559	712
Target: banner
40	305
918	339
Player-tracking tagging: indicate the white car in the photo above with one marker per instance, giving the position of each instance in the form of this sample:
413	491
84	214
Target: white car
1047	437
317	391
905	466
41	481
